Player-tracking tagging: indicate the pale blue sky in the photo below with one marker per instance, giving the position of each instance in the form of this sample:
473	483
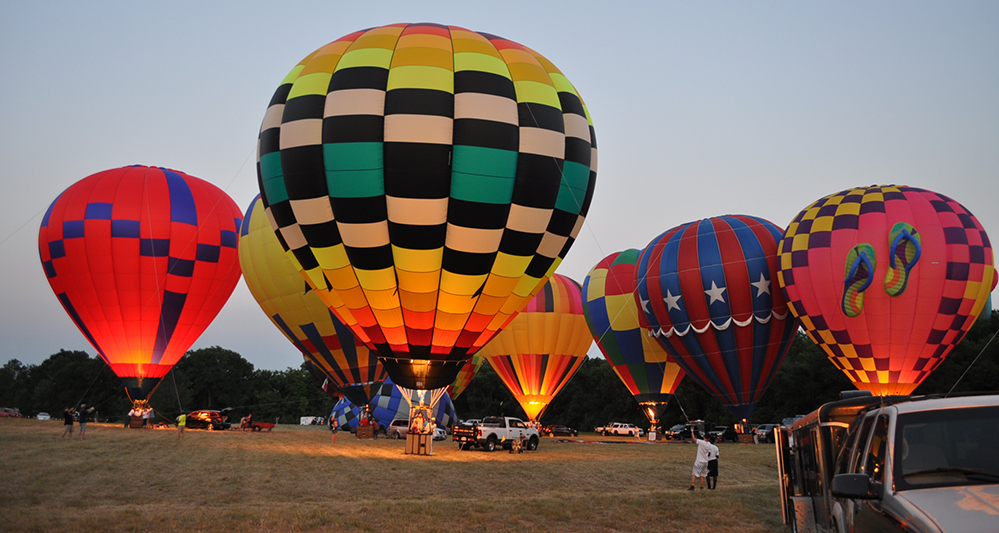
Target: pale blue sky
701	109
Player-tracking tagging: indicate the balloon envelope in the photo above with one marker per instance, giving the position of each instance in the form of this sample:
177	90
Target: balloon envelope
288	301
142	259
886	280
465	375
388	404
706	288
540	350
427	179
615	321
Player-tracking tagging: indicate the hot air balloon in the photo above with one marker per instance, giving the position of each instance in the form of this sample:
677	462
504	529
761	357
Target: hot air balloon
142	259
427	179
540	350
300	314
886	280
465	375
387	404
615	321
706	288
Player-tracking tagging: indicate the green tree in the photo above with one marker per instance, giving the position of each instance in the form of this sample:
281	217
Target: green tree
219	378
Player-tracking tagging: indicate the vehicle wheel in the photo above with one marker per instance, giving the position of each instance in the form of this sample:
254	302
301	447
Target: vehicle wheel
491	444
605	433
632	434
532	444
396	435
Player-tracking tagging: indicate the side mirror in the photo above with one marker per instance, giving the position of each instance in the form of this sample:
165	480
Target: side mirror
856	486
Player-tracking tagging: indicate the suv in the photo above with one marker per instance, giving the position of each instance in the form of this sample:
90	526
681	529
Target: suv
892	463
683	431
207	420
398	429
765	432
724	434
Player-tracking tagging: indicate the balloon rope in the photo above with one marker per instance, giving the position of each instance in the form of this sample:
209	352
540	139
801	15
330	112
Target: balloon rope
19	228
972	363
176	390
91	384
677	398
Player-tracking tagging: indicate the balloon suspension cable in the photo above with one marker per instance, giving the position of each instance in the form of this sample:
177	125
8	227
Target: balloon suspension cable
972	363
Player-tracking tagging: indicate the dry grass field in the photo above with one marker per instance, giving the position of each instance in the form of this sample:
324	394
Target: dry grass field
293	479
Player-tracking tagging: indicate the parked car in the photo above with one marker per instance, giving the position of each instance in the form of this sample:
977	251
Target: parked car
398	429
618	429
892	463
724	434
440	434
560	431
43	416
7	412
765	432
207	420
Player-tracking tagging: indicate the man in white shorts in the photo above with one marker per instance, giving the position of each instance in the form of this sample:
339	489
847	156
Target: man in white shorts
700	462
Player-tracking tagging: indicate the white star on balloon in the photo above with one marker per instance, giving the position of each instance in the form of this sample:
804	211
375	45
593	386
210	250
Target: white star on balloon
645	304
763	286
671	301
715	293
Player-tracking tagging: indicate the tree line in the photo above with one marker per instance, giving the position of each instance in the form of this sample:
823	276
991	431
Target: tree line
217	378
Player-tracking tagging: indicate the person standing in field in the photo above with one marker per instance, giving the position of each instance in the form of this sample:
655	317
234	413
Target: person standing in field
84	413
700	462
713	468
67	422
334	426
181	425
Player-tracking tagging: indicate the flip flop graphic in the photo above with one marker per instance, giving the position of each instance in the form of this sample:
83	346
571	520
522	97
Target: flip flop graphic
905	251
860	263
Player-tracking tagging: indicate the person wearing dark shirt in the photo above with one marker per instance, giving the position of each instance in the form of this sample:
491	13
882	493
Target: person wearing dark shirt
67	422
84	413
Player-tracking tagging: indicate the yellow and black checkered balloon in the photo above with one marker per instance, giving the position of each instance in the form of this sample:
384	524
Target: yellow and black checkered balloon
429	180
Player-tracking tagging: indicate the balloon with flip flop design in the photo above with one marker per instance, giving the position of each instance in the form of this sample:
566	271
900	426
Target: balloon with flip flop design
886	280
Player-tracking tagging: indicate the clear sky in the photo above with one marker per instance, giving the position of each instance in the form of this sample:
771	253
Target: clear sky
700	109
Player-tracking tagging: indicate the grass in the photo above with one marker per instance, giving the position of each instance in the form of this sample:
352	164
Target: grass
294	479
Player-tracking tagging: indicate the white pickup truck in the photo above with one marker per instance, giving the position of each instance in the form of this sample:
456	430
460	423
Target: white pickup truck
495	431
618	428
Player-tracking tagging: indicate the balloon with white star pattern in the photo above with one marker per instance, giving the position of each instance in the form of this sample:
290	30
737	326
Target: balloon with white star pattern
707	290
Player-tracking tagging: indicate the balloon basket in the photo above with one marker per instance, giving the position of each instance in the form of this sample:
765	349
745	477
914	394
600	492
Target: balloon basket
419	444
135	422
365	432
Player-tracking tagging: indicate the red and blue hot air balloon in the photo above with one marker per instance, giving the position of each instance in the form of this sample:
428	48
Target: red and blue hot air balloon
142	259
708	290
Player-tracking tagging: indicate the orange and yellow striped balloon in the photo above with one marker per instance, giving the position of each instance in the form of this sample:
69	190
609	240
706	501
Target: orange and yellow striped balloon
540	350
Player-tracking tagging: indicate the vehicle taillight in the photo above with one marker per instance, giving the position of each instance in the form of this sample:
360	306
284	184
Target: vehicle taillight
478	432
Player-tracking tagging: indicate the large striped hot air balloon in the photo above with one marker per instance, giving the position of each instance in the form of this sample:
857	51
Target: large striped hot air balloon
707	290
142	259
300	314
541	349
428	179
886	280
616	323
